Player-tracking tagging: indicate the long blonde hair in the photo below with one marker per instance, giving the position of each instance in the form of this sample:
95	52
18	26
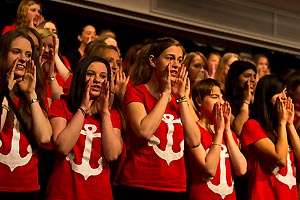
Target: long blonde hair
21	16
220	73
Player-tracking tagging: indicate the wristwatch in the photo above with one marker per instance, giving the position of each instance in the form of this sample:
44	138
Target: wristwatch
52	78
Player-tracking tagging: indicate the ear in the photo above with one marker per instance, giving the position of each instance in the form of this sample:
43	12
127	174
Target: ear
152	61
79	38
199	102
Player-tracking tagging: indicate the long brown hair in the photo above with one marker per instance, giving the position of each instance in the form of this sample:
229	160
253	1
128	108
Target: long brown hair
23	108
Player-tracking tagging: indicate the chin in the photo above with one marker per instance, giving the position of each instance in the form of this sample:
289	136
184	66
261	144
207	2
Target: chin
18	74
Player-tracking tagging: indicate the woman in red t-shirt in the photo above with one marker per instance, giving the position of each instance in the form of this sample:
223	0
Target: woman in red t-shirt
86	135
271	143
159	126
24	119
29	14
212	165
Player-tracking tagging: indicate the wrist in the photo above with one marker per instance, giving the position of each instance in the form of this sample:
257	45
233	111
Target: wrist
32	101
51	77
31	96
181	99
83	111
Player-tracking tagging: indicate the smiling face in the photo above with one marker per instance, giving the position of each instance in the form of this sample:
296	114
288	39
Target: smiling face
19	48
171	56
98	73
34	12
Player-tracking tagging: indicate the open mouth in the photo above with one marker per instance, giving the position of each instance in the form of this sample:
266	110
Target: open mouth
20	67
96	87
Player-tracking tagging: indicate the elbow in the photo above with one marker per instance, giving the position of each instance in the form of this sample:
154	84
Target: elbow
44	139
193	143
281	162
210	173
112	157
62	151
241	171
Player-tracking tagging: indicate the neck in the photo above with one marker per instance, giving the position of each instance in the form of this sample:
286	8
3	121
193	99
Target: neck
206	123
153	87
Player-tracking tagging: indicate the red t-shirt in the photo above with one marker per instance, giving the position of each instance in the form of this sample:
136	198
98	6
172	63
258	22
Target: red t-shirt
267	181
158	163
83	173
9	28
221	185
18	162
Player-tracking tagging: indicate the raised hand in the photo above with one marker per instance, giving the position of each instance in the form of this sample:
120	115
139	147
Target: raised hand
180	83
290	112
281	110
10	78
248	93
166	80
86	101
102	102
28	82
226	113
218	118
121	83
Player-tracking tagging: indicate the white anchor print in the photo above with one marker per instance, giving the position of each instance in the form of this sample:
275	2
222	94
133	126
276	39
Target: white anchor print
168	155
13	159
84	168
288	179
223	188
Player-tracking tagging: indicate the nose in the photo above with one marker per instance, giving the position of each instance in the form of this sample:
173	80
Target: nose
221	100
23	58
176	63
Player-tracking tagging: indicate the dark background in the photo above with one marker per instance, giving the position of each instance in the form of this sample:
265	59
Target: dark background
129	32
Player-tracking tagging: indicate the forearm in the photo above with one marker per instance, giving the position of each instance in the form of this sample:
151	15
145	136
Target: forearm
238	160
5	109
61	68
56	89
67	138
281	146
149	124
209	161
295	140
191	130
240	119
111	138
40	124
